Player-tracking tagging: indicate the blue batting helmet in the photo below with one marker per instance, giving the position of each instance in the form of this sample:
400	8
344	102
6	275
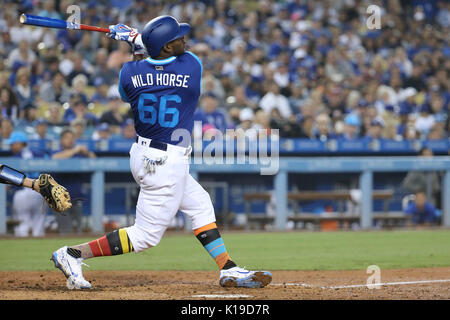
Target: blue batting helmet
160	31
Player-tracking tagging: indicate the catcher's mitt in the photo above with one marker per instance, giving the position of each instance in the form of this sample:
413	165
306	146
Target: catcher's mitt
56	196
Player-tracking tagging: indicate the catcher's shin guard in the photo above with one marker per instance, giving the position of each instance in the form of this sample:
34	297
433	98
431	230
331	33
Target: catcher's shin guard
10	175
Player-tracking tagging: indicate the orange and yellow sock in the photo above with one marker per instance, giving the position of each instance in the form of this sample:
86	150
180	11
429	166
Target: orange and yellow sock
211	240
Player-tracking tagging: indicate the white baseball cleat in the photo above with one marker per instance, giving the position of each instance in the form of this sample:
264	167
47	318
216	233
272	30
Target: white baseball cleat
71	267
242	278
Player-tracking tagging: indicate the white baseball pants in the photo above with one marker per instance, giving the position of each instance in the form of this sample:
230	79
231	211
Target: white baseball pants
27	208
169	189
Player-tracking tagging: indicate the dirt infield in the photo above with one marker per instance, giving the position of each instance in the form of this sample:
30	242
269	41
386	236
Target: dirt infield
190	285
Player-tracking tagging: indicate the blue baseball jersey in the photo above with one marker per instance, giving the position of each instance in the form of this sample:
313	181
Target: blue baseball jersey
423	215
163	95
217	118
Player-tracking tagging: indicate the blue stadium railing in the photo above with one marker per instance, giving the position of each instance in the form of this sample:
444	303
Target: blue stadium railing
364	166
287	146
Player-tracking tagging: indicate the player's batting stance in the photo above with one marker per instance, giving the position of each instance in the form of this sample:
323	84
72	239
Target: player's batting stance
163	91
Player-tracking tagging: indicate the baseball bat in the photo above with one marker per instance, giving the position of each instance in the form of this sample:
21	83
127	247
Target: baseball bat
57	23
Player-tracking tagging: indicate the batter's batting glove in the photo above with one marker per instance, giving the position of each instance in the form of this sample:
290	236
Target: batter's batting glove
123	32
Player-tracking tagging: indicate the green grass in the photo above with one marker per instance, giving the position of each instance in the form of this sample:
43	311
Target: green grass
273	251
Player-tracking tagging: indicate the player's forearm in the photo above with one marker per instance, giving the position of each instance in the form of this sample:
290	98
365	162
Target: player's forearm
15	177
31	183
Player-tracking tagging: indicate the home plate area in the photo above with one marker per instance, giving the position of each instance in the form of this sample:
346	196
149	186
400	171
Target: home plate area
423	283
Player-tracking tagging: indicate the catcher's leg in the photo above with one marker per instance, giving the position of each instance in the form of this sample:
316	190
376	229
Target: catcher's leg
22	213
65	225
37	214
77	215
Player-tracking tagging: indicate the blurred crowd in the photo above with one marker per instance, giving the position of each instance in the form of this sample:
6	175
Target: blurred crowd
311	69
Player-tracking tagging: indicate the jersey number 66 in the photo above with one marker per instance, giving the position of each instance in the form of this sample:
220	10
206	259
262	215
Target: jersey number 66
156	111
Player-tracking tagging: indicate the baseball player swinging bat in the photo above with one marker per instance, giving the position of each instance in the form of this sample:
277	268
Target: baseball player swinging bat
163	91
57	23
